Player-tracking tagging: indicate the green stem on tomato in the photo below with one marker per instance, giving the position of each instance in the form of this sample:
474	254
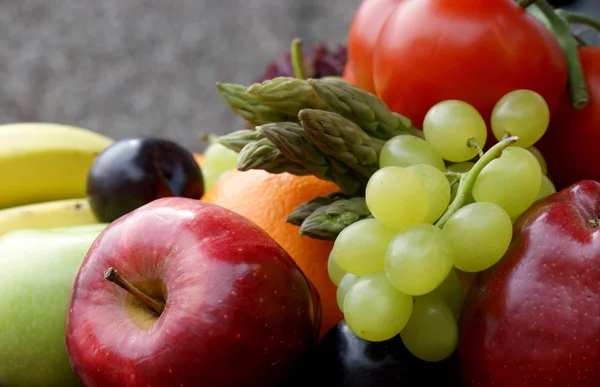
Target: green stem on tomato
580	41
578	92
579	18
467	180
296	58
525	3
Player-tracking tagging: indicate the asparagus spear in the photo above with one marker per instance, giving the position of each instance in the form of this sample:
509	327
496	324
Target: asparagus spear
362	108
291	140
329	220
237	140
286	94
342	139
304	210
250	109
262	154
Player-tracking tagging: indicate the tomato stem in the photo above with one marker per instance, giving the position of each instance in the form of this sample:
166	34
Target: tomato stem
525	3
579	18
467	180
296	58
561	29
580	40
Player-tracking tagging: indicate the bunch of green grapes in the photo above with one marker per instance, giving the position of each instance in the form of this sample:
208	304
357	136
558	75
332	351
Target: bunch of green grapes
397	272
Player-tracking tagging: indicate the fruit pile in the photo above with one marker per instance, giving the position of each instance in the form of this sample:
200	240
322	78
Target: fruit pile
435	204
399	267
379	220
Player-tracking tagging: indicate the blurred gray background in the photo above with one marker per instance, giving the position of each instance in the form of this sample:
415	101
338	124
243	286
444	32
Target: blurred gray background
149	67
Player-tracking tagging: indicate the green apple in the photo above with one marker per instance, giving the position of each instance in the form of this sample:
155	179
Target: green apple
37	270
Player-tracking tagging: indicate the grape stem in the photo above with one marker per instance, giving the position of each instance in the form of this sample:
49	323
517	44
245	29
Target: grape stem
456	175
296	58
561	29
467	180
472	143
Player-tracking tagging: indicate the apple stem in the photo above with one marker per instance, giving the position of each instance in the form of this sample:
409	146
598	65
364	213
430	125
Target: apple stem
467	180
113	276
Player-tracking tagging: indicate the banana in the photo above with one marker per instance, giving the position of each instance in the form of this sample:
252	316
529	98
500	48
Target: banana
42	162
59	213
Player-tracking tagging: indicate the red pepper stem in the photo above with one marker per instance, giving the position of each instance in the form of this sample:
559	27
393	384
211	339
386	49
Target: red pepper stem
467	180
561	29
579	18
296	58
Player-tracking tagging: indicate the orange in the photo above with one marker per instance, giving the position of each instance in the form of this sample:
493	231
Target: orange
267	199
199	157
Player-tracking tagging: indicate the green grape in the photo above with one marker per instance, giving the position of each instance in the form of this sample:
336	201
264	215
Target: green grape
405	150
450	292
345	283
522	113
461	167
334	270
540	158
438	189
396	197
218	159
418	259
546	189
479	234
448	127
432	332
511	181
360	248
374	310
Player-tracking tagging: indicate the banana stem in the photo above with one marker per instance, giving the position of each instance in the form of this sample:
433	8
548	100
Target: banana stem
296	58
467	180
578	92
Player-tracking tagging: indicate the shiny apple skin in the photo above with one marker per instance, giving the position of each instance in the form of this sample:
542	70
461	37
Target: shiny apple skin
534	319
239	311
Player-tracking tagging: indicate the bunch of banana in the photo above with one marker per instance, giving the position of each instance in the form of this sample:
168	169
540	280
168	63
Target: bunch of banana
43	173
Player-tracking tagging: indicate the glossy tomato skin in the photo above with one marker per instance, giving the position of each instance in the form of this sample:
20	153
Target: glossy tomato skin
570	145
362	38
348	74
475	51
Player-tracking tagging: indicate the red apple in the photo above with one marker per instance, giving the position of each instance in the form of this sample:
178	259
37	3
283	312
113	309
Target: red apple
534	319
211	300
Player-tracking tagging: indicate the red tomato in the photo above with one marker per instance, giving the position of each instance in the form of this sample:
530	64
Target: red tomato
471	50
348	74
362	37
570	145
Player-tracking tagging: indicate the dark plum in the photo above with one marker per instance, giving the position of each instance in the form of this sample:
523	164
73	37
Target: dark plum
135	171
342	359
